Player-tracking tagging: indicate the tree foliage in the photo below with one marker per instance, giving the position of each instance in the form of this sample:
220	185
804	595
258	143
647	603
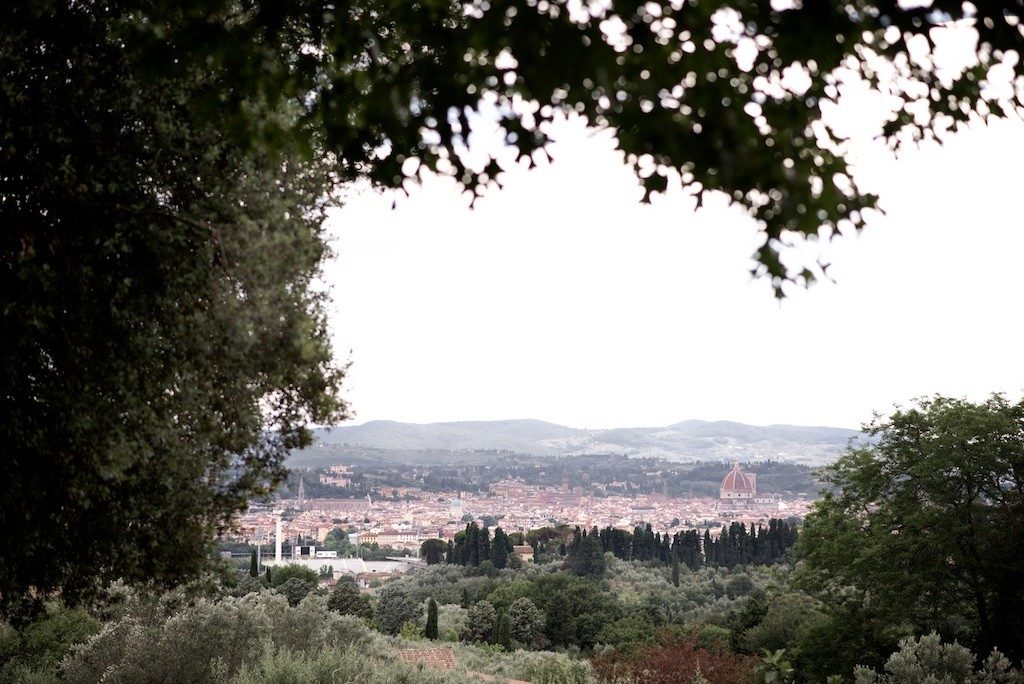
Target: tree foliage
474	546
431	629
480	622
38	647
346	599
293	589
927	521
394	608
586	554
164	348
294	571
433	550
693	87
503	632
526	624
734	545
925	660
501	547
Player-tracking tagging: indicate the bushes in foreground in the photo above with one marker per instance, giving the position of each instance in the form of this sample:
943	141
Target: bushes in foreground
674	660
260	638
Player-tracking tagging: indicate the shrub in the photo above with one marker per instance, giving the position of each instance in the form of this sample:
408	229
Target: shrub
672	661
294	589
207	640
929	661
32	652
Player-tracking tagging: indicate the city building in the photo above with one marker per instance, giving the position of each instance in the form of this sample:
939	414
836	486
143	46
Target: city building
739	493
525	552
738	487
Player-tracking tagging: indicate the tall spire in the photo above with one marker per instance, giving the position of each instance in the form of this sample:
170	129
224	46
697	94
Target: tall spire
277	537
302	493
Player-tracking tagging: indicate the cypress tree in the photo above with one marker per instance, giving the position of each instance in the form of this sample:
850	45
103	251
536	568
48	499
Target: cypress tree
268	575
503	632
473	545
557	624
596	553
431	631
675	572
500	547
484	549
254	567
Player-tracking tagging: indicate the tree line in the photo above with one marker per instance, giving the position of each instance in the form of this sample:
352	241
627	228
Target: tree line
735	545
474	546
584	550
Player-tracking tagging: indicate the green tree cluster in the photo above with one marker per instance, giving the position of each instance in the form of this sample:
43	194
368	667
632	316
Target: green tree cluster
586	554
480	622
346	599
395	608
926	523
164	346
735	545
474	546
526	624
433	551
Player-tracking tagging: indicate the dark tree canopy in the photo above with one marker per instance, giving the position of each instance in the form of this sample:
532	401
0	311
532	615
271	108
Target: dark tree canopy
927	523
433	550
164	167
690	85
164	348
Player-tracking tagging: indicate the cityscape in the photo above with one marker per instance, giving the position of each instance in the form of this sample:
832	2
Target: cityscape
409	517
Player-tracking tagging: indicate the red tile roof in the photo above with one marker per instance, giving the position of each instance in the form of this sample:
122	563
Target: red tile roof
440	658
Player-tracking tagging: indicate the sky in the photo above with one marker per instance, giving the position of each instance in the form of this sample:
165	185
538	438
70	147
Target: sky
562	297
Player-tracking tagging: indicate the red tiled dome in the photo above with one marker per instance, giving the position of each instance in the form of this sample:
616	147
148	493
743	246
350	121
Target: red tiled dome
737	481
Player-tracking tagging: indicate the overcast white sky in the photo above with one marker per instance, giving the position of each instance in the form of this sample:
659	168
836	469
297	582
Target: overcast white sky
562	298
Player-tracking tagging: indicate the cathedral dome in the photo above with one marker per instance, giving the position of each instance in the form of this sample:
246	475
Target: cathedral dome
737	482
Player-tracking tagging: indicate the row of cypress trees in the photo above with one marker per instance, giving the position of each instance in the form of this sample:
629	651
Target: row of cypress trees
733	546
474	545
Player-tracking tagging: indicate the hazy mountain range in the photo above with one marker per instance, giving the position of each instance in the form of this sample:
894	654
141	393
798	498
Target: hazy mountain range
690	440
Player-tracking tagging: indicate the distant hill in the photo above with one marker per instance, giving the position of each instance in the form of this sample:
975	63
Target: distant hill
690	440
